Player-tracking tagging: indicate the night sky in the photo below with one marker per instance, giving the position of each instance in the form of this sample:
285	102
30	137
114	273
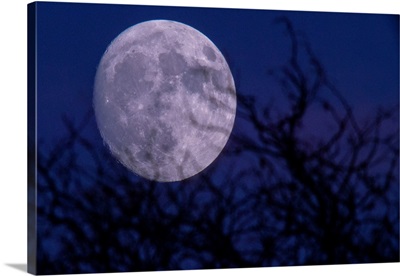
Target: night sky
360	51
360	57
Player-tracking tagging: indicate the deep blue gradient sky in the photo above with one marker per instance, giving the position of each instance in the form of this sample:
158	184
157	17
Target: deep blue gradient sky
360	52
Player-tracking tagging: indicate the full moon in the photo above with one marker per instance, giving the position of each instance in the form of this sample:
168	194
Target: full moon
164	100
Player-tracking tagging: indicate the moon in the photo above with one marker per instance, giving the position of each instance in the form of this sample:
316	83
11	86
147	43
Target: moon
164	100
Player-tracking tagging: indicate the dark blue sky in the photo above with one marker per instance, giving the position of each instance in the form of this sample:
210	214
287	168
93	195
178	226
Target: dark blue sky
359	51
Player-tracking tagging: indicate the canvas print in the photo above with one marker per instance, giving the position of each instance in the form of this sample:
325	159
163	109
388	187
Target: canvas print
175	138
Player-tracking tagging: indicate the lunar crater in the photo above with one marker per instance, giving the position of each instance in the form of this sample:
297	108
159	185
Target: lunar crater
209	53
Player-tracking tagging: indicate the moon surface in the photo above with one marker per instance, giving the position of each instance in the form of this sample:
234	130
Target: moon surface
164	100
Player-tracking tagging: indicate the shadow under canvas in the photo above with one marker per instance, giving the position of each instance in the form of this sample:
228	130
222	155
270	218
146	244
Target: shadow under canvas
20	267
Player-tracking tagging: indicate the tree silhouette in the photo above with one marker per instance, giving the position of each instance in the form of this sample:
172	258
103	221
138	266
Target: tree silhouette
284	193
335	192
